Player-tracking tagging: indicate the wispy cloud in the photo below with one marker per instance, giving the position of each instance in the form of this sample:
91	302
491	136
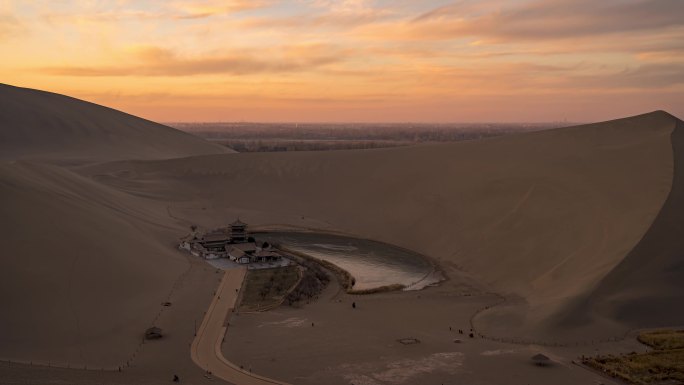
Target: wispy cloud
9	25
647	76
154	61
549	19
324	13
202	9
173	10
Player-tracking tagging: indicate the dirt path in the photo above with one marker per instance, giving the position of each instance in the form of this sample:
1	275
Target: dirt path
206	347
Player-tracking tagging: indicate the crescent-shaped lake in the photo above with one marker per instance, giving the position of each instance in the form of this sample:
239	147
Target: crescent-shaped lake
372	264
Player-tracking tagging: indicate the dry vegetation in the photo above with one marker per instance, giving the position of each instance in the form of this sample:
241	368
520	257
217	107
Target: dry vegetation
380	289
314	280
663	339
265	288
663	365
279	145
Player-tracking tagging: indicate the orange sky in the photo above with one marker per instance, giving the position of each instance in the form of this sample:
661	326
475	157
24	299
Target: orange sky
352	60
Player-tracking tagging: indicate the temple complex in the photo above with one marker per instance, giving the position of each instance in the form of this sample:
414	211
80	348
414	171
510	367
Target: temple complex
232	242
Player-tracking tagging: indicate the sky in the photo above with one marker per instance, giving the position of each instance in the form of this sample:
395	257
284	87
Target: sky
352	60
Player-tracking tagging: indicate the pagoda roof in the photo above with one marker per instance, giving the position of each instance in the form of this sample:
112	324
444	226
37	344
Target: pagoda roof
238	222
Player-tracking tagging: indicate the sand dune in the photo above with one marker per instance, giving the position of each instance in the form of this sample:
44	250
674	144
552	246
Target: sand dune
39	124
83	269
541	217
646	289
577	227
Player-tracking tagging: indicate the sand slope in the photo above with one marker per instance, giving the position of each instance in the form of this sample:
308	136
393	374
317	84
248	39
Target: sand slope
83	268
39	124
542	217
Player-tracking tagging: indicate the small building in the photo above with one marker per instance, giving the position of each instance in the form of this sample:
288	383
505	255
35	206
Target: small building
264	256
248	248
237	255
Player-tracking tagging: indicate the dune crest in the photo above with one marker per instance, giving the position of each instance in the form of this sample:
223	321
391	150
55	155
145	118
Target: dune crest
42	125
646	289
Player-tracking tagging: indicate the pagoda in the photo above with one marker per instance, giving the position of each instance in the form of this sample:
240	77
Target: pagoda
238	232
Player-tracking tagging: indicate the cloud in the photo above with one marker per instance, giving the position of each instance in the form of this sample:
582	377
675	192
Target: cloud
156	61
9	25
347	7
647	76
203	9
549	19
175	10
393	51
324	13
307	21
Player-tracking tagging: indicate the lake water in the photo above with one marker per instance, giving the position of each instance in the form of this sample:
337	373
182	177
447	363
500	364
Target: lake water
372	264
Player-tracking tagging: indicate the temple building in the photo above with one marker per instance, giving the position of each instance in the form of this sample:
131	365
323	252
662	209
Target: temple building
218	240
215	241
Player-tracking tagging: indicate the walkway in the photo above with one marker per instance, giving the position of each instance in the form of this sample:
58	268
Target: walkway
206	347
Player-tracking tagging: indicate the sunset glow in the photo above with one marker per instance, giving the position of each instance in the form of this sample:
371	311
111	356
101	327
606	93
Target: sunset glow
353	60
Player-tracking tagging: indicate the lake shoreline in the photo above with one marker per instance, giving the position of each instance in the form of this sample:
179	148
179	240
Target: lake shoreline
346	278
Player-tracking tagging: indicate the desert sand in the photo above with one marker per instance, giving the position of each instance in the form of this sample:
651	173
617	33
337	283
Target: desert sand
574	229
39	124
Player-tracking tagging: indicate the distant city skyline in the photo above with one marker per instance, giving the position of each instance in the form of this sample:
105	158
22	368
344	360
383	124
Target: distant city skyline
353	60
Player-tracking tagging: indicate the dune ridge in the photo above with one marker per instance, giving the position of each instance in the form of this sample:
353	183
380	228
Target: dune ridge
37	124
646	289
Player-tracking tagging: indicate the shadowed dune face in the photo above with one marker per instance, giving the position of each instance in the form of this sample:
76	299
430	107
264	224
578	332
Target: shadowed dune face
542	217
38	124
646	289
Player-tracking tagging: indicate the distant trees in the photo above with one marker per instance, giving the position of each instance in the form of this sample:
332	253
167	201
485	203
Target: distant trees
251	137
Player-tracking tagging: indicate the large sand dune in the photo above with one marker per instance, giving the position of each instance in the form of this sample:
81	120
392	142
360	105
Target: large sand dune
84	267
542	218
646	289
39	124
577	227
